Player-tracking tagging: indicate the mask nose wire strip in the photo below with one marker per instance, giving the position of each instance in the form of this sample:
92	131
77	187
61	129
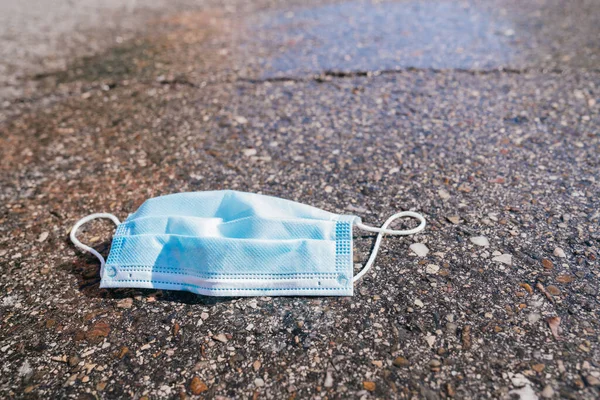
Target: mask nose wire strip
82	246
382	231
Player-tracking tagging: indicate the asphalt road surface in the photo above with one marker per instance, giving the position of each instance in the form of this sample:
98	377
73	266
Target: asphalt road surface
483	116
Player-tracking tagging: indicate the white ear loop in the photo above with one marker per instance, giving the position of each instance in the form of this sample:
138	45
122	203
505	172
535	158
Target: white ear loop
382	231
82	246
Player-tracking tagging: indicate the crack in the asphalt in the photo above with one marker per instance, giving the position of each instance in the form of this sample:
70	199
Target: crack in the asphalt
329	75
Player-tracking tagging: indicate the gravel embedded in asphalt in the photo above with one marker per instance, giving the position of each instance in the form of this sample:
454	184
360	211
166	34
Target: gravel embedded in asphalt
506	156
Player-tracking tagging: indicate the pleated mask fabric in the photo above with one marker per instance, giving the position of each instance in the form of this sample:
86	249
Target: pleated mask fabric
230	243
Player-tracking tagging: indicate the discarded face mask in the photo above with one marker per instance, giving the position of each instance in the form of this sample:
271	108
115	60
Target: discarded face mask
228	243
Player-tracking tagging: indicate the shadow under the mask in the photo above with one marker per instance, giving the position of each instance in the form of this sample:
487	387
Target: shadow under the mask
86	270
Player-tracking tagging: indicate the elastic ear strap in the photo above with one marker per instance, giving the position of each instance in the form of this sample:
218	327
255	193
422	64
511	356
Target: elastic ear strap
382	231
82	246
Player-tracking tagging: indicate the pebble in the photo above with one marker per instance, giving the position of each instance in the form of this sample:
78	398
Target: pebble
220	337
73	361
480	241
525	393
197	386
125	303
538	367
370	386
99	330
430	339
592	380
204	316
432	269
558	252
553	290
451	328
241	120
533	318
328	380
419	303
454	219
547	264
548	392
443	194
401	362
249	152
259	382
43	236
504	259
564	279
419	249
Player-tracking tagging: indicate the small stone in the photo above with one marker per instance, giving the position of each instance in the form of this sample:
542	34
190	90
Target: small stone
547	264
463	187
73	361
370	386
480	241
443	194
176	329
124	350
249	152
548	392
85	379
564	279
401	362
553	290
430	339
256	365
100	386
125	303
432	269
435	363
99	330
504	259
454	219
538	367
558	252
43	236
377	363
450	390
554	323
240	120
419	249
220	337
525	393
527	287
533	318
197	386
451	328
419	303
328	379
204	316
259	382
592	380
466	337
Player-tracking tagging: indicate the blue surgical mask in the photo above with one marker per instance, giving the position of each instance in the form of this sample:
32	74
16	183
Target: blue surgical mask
228	243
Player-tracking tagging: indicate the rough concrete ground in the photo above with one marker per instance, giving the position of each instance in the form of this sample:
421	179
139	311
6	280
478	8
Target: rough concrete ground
484	117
